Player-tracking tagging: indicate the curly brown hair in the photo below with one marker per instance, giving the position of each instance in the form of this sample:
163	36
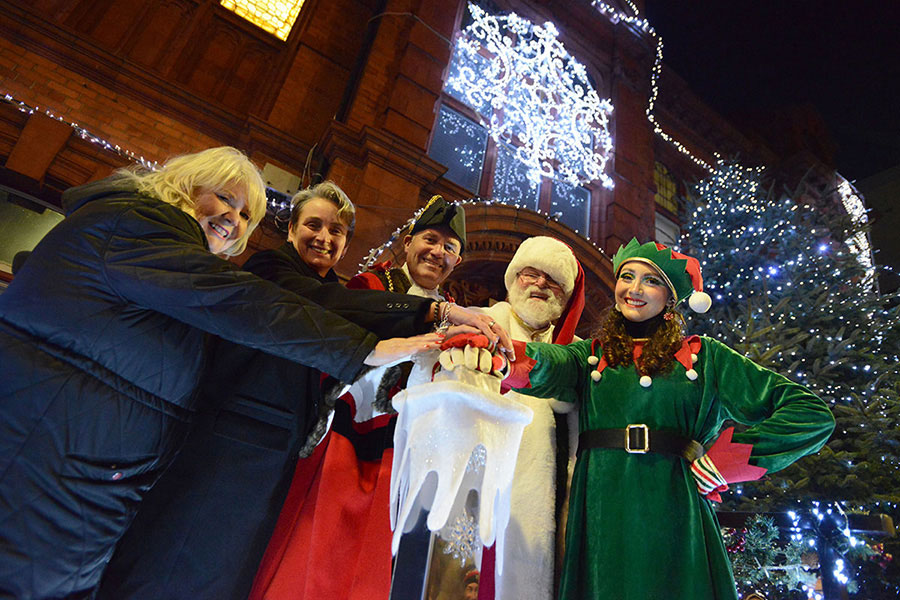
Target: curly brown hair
659	351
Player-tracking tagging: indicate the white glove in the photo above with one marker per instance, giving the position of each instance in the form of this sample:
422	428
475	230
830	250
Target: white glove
469	357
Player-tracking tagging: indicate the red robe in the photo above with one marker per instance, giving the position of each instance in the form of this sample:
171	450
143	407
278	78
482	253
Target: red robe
333	537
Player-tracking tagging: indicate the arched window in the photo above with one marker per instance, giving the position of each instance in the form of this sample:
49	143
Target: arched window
521	121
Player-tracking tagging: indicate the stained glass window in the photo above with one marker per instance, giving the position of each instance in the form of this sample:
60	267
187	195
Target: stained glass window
275	16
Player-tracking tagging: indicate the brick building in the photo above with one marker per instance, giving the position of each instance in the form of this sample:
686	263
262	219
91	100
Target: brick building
355	92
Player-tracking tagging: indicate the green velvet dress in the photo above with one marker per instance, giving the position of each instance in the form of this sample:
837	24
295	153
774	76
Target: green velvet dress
638	529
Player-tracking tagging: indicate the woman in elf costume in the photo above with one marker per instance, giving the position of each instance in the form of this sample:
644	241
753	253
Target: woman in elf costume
650	399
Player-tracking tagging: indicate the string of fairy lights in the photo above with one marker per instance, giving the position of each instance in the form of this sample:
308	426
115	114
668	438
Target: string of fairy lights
277	202
83	133
378	252
635	20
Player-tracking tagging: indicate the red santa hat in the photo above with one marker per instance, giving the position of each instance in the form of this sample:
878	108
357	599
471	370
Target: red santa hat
556	259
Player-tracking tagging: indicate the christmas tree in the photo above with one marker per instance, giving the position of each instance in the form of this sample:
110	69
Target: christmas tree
793	288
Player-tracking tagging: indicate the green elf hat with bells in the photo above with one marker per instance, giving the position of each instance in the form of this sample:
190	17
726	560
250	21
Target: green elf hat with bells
680	272
440	213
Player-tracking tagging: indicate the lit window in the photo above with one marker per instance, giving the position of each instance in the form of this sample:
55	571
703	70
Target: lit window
23	222
665	188
511	182
275	16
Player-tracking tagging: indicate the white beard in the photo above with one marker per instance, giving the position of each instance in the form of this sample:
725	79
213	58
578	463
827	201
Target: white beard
536	313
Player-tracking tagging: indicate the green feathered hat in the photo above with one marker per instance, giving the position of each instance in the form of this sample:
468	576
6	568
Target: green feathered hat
680	272
440	213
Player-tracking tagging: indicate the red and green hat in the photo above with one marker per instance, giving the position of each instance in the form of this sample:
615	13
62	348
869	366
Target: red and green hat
680	272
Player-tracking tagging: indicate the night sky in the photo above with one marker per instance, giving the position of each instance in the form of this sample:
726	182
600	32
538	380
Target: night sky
841	56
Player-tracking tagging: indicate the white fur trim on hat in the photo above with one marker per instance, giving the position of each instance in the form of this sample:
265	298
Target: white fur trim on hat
547	254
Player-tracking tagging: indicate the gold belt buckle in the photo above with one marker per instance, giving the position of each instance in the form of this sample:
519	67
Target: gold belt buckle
645	448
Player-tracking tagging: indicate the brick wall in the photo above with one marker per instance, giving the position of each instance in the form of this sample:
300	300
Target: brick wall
33	79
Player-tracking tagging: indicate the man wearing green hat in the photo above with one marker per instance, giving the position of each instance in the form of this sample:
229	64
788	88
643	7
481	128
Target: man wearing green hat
433	247
343	526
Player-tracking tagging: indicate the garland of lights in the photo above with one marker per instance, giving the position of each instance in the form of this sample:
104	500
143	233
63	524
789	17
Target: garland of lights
373	254
540	97
276	201
85	134
615	16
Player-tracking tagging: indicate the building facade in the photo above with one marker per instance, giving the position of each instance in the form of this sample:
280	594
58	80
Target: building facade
362	92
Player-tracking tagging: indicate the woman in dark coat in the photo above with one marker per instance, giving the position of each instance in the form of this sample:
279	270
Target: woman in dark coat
202	530
102	338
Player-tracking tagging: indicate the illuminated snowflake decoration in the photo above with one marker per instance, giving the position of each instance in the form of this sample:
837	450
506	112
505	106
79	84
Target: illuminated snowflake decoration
461	538
538	97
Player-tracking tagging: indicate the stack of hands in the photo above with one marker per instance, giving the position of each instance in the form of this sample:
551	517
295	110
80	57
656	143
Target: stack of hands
468	329
472	351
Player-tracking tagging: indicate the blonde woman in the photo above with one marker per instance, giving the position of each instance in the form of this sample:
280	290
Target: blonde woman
102	340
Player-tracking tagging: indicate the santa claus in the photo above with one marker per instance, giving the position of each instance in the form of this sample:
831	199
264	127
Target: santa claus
545	287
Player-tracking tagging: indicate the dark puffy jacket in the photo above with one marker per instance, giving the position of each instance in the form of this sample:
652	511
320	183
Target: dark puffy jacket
202	530
102	337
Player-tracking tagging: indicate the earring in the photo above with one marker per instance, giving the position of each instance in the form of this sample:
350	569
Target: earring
669	315
618	308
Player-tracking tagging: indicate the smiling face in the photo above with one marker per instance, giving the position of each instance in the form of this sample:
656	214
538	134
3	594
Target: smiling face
431	255
641	293
223	215
319	235
536	298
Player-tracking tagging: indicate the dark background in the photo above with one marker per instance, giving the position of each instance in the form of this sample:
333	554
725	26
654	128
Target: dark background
757	60
843	57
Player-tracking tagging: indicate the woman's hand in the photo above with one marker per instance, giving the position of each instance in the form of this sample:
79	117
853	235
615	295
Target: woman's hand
485	324
396	350
455	330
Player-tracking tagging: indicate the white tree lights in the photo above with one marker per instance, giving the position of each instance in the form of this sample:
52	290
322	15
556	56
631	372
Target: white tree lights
534	95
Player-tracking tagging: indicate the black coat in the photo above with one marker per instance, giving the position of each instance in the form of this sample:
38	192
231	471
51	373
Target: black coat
202	530
102	337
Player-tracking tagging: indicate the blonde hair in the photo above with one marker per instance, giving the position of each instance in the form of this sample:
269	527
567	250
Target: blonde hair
327	190
214	169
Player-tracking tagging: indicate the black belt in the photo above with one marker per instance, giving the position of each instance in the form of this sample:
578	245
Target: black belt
639	439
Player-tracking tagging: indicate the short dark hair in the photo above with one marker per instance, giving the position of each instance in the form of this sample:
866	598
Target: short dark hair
327	190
